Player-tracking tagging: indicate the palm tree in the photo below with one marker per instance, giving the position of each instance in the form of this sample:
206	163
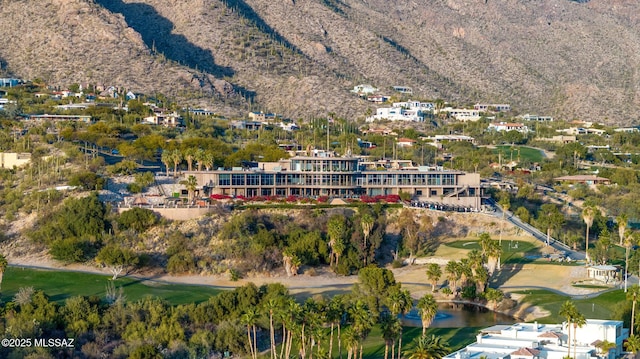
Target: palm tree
200	156
633	344
588	215
336	228
628	242
271	306
433	274
453	274
428	307
249	318
191	183
176	157
551	218
208	160
605	346
568	311
366	221
491	250
361	321
632	295
189	155
399	302
391	328
578	321
622	226
335	309
165	158
504	203
429	348
3	267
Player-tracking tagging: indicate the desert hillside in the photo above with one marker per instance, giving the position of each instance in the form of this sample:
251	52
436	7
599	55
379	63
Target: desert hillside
572	59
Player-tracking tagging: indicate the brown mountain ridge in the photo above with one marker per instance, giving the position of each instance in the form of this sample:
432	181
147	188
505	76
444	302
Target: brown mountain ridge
564	58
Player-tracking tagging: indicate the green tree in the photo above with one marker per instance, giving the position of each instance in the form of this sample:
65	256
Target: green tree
633	344
138	219
399	302
588	215
410	228
569	311
366	222
431	347
434	272
191	183
491	252
249	318
3	266
427	307
632	295
336	230
118	259
551	218
391	329
166	159
176	158
622	221
505	204
373	287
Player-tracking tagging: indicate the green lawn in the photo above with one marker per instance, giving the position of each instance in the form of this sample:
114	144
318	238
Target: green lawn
60	285
512	251
526	153
600	307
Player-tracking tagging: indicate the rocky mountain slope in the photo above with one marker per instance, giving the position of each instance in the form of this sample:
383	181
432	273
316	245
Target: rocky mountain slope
300	57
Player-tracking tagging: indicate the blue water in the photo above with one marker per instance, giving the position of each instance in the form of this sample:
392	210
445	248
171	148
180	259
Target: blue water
460	316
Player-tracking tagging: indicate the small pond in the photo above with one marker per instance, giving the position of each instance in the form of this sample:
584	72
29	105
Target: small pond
452	315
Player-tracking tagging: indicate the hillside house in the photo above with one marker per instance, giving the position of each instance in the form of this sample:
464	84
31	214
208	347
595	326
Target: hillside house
405	142
403	89
264	117
462	114
13	159
584	179
409	111
508	126
10	82
537	118
364	89
378	98
165	119
493	107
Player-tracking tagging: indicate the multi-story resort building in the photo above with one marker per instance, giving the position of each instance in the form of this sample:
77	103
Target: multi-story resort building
549	341
342	177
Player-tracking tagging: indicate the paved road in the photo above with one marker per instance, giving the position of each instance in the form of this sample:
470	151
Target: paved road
537	234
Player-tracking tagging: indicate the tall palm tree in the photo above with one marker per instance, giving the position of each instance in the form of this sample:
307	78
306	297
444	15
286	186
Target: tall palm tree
588	215
390	329
399	302
189	155
361	320
271	306
491	251
622	221
453	274
433	274
505	204
578	321
569	312
200	156
366	221
427	307
431	347
165	158
633	294
176	158
191	183
335	309
336	228
249	318
208	160
3	266
628	242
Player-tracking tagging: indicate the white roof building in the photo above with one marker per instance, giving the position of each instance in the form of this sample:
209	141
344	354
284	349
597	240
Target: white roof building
548	341
462	114
411	111
507	126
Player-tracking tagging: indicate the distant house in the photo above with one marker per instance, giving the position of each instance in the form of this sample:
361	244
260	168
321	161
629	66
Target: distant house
582	131
507	126
13	159
411	111
246	125
264	117
378	98
405	142
462	114
603	273
403	89
559	139
55	118
130	96
495	107
166	120
627	129
537	118
584	179
364	89
9	82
